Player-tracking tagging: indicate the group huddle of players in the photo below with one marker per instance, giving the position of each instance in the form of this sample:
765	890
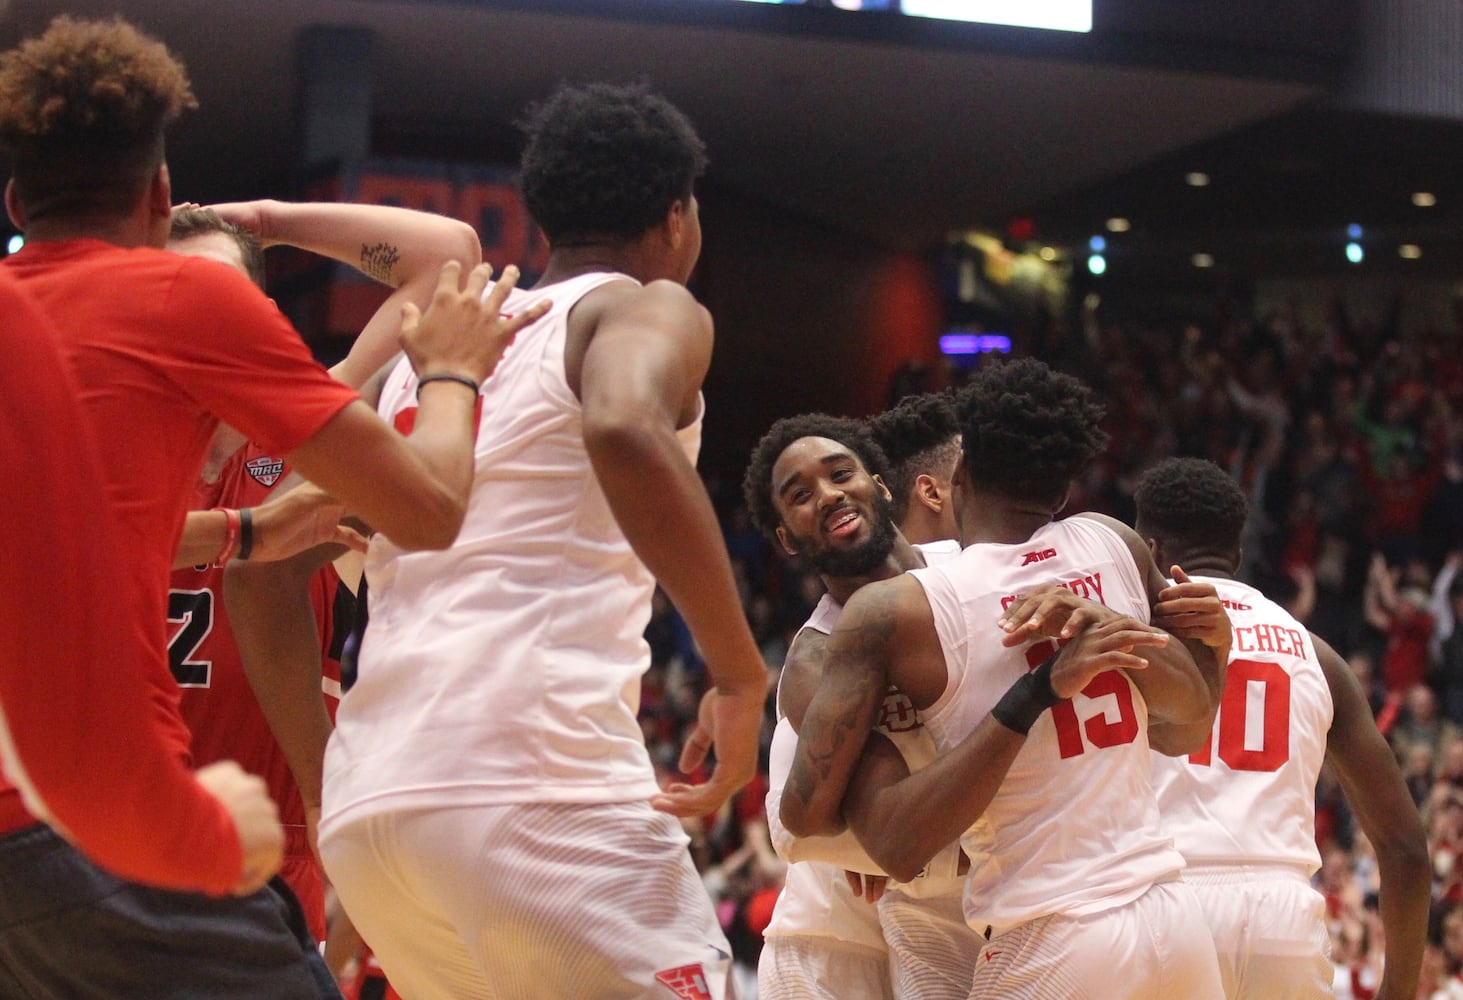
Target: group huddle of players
1060	757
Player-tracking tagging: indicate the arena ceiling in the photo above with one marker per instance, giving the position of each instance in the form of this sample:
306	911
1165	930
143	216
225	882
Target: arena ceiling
895	138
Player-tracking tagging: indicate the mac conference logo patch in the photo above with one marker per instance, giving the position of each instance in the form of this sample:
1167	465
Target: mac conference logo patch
265	470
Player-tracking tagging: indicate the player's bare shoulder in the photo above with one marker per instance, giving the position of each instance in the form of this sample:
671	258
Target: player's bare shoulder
892	616
669	306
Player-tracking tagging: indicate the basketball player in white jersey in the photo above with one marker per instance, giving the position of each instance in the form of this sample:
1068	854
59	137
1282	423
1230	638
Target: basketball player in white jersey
932	948
1044	764
1242	808
810	488
488	816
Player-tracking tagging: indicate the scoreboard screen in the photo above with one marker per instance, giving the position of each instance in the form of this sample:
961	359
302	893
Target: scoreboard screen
1056	15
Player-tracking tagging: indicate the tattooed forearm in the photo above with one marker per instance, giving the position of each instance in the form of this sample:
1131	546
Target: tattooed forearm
379	261
837	722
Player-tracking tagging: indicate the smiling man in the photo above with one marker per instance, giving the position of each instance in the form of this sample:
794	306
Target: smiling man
1043	764
815	487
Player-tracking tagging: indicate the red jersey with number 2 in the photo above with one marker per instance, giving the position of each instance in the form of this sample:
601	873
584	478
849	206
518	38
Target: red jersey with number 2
217	701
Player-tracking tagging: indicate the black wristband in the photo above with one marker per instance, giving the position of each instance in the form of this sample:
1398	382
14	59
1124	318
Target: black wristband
246	533
1024	701
446	377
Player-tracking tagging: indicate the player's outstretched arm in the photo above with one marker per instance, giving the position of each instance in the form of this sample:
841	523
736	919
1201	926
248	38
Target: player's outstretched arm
290	522
903	820
416	491
1374	787
399	247
639	380
278	635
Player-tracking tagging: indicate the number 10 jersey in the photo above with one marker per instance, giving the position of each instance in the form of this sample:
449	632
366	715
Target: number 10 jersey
1249	797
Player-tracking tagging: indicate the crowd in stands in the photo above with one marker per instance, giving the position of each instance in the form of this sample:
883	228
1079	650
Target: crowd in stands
1348	439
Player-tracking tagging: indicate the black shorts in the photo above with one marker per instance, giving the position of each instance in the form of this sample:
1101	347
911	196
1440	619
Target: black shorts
69	930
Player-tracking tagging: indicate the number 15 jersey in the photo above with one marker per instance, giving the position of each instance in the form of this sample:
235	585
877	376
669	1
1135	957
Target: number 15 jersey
1074	827
1250	796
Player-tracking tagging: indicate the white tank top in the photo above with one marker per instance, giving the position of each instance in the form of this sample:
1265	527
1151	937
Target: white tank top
1250	797
816	901
1074	828
506	668
805	906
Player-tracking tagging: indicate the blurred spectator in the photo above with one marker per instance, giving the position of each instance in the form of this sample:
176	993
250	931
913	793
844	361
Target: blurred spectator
1398	608
1420	731
1447	641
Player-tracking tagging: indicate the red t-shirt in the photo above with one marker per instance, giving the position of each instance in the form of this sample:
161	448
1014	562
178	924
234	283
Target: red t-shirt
77	682
217	701
163	347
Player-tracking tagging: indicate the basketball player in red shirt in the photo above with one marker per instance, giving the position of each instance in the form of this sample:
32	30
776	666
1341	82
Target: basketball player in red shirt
162	349
108	738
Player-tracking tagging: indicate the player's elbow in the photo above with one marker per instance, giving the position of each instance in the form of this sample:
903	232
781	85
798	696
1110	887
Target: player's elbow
1179	740
806	820
431	531
896	845
617	433
903	862
460	243
429	520
1405	852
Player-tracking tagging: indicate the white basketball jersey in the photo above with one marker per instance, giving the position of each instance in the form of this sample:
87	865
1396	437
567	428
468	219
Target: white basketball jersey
900	723
816	901
1250	797
506	668
1074	828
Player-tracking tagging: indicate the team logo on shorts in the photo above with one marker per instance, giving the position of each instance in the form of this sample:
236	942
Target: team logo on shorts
687	982
265	470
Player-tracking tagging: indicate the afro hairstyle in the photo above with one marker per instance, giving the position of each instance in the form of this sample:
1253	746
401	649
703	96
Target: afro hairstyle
606	160
82	111
1028	431
1191	505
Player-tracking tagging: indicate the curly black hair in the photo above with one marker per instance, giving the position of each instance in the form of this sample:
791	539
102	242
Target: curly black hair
606	160
1027	430
82	110
919	435
190	223
757	482
1191	506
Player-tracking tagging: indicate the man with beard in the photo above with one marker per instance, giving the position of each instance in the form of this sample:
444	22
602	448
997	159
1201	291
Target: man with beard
814	487
1043	764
